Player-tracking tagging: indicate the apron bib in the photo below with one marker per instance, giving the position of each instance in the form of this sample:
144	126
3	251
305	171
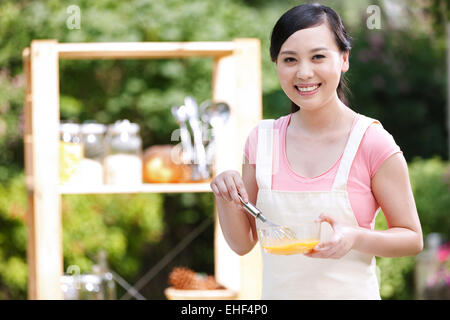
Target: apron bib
297	276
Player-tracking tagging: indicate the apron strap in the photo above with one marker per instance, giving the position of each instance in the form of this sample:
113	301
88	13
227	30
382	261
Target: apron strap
340	182
264	154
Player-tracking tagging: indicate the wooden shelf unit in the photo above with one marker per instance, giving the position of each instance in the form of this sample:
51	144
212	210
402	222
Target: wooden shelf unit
236	80
141	188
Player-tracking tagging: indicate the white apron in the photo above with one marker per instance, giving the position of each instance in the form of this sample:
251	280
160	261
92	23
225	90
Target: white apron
297	276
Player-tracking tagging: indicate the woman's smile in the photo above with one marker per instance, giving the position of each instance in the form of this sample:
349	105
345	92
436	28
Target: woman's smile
308	90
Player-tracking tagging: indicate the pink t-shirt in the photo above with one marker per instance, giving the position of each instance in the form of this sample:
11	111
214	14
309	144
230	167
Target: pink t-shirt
376	146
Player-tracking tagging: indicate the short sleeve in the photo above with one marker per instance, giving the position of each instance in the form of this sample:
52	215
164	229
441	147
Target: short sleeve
251	145
381	145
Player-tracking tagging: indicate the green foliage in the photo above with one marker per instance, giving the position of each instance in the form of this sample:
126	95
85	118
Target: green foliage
430	181
439	10
396	77
121	225
11	99
13	239
396	278
396	274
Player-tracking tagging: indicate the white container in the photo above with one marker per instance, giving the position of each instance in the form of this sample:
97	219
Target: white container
123	160
93	140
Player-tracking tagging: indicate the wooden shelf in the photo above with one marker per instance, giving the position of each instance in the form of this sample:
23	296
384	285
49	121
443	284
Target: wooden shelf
142	50
235	80
142	188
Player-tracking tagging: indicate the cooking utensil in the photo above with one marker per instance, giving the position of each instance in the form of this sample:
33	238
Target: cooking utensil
199	148
206	132
276	231
180	115
214	115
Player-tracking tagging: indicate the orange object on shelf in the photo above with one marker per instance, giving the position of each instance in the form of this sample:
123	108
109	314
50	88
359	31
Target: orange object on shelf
162	164
288	247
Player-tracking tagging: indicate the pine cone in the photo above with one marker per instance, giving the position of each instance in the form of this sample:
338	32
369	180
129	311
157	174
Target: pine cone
211	284
186	279
206	282
182	278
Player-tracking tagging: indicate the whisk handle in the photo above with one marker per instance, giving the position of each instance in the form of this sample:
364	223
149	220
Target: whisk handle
254	211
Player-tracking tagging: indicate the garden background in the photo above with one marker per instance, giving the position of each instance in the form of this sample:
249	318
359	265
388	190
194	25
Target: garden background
397	75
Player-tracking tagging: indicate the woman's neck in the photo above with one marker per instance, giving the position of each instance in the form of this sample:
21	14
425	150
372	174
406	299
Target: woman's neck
321	121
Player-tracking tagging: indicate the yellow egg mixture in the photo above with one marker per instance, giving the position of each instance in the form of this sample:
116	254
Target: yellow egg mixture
287	246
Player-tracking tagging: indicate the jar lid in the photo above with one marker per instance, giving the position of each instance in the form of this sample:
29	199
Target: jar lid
69	127
124	126
93	128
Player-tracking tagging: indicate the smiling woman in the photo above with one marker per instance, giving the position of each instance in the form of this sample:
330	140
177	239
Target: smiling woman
322	162
310	79
335	37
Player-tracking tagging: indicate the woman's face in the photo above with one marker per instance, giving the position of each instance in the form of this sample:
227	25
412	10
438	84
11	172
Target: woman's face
309	67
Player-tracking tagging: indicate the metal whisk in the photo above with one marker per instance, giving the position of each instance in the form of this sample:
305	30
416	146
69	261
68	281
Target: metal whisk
277	231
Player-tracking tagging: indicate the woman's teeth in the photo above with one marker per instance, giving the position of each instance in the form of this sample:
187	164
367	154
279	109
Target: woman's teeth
307	89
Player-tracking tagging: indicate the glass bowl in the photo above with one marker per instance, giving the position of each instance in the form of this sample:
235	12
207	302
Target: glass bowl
306	236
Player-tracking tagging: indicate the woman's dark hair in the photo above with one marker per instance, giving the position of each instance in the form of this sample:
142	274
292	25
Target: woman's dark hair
306	16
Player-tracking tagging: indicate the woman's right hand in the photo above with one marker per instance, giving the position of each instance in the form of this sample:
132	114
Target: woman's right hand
227	185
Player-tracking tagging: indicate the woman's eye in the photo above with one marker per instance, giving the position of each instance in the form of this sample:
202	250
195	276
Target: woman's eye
317	56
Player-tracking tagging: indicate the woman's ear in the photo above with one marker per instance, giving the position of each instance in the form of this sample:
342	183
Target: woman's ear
345	62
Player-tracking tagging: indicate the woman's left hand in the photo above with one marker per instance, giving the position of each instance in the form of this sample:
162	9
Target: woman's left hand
340	244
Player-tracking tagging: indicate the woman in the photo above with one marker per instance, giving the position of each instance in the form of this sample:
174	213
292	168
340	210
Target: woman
321	162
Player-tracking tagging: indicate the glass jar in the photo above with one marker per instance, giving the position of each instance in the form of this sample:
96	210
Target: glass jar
123	160
81	287
71	151
93	140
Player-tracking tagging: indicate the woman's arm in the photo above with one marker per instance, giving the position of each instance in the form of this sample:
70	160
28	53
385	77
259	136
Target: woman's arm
237	225
392	190
249	178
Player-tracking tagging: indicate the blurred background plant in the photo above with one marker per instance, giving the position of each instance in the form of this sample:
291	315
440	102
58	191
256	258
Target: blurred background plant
431	186
396	76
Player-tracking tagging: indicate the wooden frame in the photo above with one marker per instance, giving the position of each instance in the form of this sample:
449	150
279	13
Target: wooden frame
236	79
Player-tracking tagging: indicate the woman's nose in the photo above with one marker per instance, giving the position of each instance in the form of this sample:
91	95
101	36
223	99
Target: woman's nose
304	71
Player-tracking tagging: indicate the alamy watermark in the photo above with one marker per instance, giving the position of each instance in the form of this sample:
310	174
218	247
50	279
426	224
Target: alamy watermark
74	271
74	20
374	19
